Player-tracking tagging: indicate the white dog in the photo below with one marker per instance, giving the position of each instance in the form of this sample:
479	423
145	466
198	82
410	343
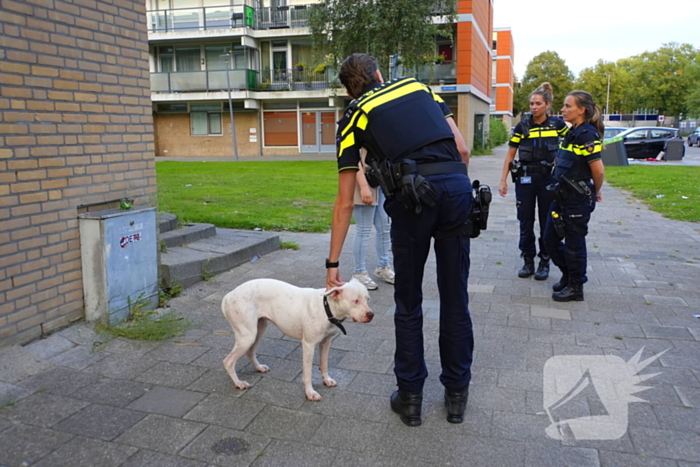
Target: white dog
298	313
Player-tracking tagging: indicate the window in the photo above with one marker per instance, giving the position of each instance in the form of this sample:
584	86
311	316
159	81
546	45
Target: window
639	134
658	134
205	119
187	59
280	128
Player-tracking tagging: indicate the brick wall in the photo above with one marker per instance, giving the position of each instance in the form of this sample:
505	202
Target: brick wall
75	130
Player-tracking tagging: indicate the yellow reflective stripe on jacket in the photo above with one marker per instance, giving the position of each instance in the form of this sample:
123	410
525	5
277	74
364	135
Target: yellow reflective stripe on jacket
362	121
581	149
564	131
350	124
543	133
391	95
516	138
373	94
348	141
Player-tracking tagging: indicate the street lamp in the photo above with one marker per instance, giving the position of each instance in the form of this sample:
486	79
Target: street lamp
230	102
607	100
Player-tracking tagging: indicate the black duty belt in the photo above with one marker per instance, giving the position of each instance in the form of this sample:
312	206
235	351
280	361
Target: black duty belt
441	168
535	168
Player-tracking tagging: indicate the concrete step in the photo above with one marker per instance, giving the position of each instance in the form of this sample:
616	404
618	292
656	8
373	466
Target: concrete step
166	222
191	263
188	233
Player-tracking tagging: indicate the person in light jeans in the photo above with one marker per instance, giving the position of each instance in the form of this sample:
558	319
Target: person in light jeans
368	210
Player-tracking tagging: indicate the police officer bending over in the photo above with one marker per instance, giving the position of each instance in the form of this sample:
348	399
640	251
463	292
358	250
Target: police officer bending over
420	160
575	194
537	141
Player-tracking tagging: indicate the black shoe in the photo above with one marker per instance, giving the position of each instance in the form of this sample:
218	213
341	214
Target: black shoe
570	293
408	406
563	282
456	404
542	272
528	268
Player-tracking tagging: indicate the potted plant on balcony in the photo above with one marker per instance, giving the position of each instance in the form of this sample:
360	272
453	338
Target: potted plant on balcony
300	66
439	59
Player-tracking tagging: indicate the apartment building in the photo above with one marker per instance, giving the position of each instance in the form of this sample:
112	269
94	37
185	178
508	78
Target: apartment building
503	76
253	59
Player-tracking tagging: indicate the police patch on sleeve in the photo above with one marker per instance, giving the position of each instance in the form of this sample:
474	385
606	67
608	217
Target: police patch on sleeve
590	146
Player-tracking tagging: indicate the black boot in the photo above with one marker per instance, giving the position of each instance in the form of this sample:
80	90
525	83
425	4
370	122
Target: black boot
528	268
408	406
563	282
542	272
570	293
456	404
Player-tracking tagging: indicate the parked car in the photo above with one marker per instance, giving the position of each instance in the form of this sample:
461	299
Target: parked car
694	138
646	142
612	131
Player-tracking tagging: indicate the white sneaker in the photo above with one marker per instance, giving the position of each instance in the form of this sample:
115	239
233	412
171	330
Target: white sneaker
385	274
366	280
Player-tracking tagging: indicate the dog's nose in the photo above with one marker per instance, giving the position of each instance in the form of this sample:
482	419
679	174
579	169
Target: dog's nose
370	315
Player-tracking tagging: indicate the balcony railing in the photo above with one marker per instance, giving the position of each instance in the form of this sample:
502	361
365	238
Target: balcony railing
203	81
227	17
267	80
442	73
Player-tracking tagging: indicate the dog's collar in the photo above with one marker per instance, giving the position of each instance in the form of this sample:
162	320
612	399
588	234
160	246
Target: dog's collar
331	318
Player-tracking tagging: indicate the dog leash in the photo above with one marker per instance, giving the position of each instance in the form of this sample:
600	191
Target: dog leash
331	318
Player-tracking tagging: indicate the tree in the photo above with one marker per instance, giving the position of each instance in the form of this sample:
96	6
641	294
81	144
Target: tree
548	66
380	28
595	81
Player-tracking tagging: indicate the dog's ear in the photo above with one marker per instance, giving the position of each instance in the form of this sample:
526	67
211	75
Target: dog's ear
335	292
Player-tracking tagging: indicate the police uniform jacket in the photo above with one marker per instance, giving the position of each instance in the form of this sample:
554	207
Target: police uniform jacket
538	142
399	119
581	146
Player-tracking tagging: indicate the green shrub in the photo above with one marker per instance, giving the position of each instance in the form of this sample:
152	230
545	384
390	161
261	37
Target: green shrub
498	133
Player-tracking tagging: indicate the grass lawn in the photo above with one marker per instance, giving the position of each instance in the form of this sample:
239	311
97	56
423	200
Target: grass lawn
295	195
680	187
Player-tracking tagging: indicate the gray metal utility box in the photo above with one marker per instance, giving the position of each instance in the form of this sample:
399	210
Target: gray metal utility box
120	263
614	153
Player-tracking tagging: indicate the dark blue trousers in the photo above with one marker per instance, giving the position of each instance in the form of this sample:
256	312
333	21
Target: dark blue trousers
570	254
411	237
528	195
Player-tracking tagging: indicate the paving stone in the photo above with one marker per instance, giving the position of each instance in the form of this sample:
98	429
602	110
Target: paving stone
553	313
282	423
224	446
280	452
669	332
78	358
225	411
162	434
372	363
99	421
534	349
689	396
177	353
550	454
529	381
59	380
618	459
10	394
174	375
376	384
122	367
113	392
659	300
276	392
600	342
128	348
355	433
87	452
685	419
280	368
148	458
666	443
25	445
353	459
42	409
17	364
219	382
81	335
512	400
214	358
49	347
167	401
531	322
518	426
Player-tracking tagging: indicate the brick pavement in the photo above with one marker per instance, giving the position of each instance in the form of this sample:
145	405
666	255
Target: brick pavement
75	400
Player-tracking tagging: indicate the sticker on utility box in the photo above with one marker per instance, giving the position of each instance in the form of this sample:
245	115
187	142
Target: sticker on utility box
124	241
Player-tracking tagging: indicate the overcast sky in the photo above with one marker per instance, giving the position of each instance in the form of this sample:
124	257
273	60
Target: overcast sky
583	32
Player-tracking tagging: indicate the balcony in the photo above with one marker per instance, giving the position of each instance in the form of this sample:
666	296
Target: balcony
266	80
442	73
227	17
203	81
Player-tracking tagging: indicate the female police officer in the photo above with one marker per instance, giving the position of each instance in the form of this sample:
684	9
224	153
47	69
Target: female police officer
409	132
578	161
537	141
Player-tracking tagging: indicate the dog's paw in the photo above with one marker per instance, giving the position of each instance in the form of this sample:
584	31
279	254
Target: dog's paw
263	368
330	382
242	385
313	396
